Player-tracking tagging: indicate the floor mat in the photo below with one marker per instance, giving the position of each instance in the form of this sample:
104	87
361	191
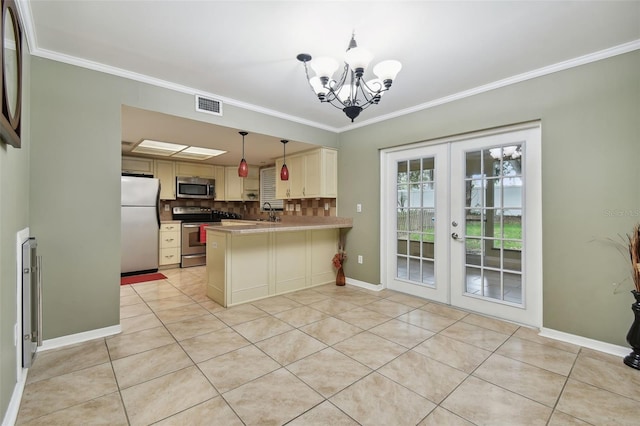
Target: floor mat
134	279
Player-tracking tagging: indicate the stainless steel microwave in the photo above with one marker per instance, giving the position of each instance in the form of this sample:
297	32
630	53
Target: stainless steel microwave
193	187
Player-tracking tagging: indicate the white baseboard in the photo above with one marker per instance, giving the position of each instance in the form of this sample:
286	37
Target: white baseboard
11	414
597	345
72	339
365	285
585	342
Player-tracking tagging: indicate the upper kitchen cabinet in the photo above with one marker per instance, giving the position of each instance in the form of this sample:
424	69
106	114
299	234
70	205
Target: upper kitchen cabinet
251	185
166	172
219	175
137	165
195	170
321	173
240	189
312	174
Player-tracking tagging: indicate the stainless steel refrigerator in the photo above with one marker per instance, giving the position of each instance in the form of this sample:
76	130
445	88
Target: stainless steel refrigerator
140	224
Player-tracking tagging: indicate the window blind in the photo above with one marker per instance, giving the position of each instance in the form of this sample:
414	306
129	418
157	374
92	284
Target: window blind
268	188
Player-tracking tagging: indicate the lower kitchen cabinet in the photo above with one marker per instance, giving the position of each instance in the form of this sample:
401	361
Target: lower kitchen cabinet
169	243
250	266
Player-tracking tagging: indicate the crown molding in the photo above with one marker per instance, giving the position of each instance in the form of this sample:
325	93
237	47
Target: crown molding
24	10
560	66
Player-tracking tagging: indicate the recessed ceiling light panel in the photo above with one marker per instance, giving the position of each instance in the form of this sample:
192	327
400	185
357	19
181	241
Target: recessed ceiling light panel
198	153
165	149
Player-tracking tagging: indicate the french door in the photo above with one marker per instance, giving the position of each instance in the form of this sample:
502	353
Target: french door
462	222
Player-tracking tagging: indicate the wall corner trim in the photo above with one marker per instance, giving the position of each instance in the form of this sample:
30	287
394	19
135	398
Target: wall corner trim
585	342
72	339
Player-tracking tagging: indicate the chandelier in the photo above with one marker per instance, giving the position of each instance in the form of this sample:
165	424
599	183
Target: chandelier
350	92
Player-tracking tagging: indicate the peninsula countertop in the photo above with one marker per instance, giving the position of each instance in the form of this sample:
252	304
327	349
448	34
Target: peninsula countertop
287	225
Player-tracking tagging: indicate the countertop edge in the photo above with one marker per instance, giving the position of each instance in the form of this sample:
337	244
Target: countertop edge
275	227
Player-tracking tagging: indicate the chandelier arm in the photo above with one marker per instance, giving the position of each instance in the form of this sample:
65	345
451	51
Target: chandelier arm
382	89
332	96
335	88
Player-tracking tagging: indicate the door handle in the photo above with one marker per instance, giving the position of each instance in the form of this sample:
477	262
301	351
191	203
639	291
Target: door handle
456	237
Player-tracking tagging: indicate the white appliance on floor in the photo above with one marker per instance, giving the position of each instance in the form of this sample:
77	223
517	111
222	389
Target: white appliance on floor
140	224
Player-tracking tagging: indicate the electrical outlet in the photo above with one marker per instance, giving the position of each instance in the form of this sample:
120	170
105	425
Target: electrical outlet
166	207
326	206
298	207
360	259
358	208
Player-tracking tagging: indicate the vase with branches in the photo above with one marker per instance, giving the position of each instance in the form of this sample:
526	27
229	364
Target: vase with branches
338	261
633	336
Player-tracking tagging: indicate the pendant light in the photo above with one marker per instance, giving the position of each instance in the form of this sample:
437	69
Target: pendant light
284	172
243	168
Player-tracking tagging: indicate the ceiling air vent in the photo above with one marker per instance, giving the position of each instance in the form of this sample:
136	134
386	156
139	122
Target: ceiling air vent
208	105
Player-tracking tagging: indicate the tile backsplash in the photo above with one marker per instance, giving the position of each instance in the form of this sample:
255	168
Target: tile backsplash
251	209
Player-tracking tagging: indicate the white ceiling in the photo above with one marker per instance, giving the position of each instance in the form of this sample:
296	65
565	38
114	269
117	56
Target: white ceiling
244	52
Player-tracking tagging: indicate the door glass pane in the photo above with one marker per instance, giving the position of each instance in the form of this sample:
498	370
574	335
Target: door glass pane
493	223
416	186
428	195
428	273
512	287
414	270
402	267
473	251
473	163
403	243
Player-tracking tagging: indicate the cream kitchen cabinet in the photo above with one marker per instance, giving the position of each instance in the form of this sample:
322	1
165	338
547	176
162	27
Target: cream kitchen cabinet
219	175
312	174
294	187
166	172
138	165
237	188
195	170
321	173
232	184
245	266
251	185
169	243
282	186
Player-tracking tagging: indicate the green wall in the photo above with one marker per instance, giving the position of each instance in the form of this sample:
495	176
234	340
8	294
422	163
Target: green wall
590	151
14	217
75	182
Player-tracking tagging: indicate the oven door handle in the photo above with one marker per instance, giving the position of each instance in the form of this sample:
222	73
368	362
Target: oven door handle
190	226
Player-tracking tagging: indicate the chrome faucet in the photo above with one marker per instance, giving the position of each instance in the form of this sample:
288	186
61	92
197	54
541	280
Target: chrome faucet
272	216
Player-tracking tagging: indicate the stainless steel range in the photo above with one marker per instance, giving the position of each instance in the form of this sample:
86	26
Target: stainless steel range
194	252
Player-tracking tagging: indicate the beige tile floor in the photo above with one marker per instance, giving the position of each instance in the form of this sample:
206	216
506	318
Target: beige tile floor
323	356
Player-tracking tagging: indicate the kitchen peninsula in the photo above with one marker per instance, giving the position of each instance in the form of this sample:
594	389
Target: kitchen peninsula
249	260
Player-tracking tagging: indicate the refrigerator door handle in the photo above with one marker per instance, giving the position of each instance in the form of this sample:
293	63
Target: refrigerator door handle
158	205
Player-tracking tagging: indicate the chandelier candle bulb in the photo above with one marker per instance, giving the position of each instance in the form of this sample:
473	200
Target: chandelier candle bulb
324	67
